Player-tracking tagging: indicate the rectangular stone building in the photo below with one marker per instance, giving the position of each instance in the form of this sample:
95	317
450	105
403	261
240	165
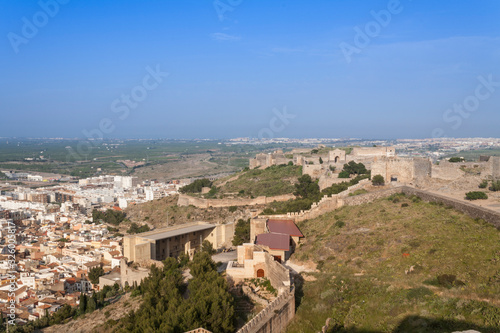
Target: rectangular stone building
172	241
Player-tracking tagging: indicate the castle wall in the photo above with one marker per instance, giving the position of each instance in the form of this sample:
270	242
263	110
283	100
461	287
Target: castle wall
495	161
257	227
130	276
470	209
451	171
405	170
275	317
313	170
373	151
422	168
336	156
266	160
186	200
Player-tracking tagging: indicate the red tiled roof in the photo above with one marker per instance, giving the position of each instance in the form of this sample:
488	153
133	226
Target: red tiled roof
284	227
274	241
71	280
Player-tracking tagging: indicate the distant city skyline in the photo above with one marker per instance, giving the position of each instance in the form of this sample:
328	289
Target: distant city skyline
226	69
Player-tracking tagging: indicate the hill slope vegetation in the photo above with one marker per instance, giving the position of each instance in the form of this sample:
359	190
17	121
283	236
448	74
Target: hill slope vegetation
398	265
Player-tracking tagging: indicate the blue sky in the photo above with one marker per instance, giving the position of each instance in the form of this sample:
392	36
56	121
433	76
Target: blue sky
231	77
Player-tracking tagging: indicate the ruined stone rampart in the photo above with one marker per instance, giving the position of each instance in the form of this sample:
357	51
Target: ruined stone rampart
368	197
470	209
373	151
275	317
450	171
325	205
278	275
495	166
313	170
328	204
129	275
186	200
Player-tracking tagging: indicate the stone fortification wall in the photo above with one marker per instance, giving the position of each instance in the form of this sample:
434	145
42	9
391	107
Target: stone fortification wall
343	199
328	179
313	170
495	166
266	160
186	200
275	317
369	197
129	275
451	171
373	151
277	274
328	204
337	156
325	205
401	169
470	209
422	168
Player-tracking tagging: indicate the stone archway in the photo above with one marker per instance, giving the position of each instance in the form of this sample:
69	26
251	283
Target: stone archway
337	158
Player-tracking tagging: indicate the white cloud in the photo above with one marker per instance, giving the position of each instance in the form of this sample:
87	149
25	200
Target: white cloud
220	36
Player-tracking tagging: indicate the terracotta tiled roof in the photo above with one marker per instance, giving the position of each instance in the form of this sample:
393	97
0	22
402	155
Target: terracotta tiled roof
284	227
274	241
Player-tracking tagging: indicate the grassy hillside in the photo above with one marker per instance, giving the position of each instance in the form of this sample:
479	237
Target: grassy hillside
274	180
452	264
155	213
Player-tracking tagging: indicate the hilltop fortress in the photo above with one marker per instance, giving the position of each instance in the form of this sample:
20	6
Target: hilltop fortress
325	165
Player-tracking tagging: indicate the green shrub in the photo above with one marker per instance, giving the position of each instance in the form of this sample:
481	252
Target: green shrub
448	281
339	224
378	180
476	195
456	159
232	209
495	186
135	229
242	232
418	293
358	192
344	174
196	186
483	184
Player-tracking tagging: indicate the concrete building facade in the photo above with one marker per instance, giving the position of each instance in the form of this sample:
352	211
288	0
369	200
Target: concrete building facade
172	241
